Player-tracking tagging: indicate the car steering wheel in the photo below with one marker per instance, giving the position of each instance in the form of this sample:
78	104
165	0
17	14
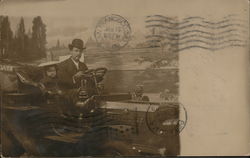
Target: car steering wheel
97	72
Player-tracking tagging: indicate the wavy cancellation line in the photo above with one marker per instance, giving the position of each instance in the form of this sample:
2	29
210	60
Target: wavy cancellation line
202	42
180	34
213	27
193	18
207	43
208	48
198	36
179	23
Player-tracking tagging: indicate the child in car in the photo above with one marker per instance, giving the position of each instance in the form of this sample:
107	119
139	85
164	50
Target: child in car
50	80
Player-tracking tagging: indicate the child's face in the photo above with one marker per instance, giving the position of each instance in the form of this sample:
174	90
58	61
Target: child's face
51	72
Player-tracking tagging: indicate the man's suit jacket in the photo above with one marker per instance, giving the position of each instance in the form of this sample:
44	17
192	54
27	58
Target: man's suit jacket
66	70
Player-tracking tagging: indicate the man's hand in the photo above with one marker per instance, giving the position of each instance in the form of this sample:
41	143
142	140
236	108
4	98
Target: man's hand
78	74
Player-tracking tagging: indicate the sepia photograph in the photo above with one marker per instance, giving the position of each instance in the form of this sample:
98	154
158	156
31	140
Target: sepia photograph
124	78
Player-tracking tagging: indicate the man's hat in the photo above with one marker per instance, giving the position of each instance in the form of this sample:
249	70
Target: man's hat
77	43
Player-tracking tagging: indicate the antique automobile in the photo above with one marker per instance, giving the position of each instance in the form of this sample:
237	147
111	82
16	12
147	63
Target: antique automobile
96	123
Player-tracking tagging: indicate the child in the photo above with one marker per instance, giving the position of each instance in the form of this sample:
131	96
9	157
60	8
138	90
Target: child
50	81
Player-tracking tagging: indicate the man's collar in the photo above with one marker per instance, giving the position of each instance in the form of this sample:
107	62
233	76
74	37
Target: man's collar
74	61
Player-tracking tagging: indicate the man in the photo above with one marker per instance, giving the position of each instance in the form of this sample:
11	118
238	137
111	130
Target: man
70	71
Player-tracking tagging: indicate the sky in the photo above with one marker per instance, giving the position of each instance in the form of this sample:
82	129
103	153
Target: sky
65	19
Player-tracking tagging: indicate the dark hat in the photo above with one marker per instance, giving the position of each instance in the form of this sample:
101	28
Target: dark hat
77	43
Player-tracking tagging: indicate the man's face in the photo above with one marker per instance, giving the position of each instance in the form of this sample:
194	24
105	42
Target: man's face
76	53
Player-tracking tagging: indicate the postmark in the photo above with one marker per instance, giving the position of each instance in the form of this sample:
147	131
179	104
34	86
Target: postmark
169	119
112	32
196	32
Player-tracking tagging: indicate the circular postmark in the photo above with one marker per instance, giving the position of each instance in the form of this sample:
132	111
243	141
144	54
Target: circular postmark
168	119
112	32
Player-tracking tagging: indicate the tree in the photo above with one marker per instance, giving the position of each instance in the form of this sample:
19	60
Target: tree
58	44
39	37
1	46
6	37
20	38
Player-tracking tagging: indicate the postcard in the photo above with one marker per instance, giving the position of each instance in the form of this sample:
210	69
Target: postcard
124	78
